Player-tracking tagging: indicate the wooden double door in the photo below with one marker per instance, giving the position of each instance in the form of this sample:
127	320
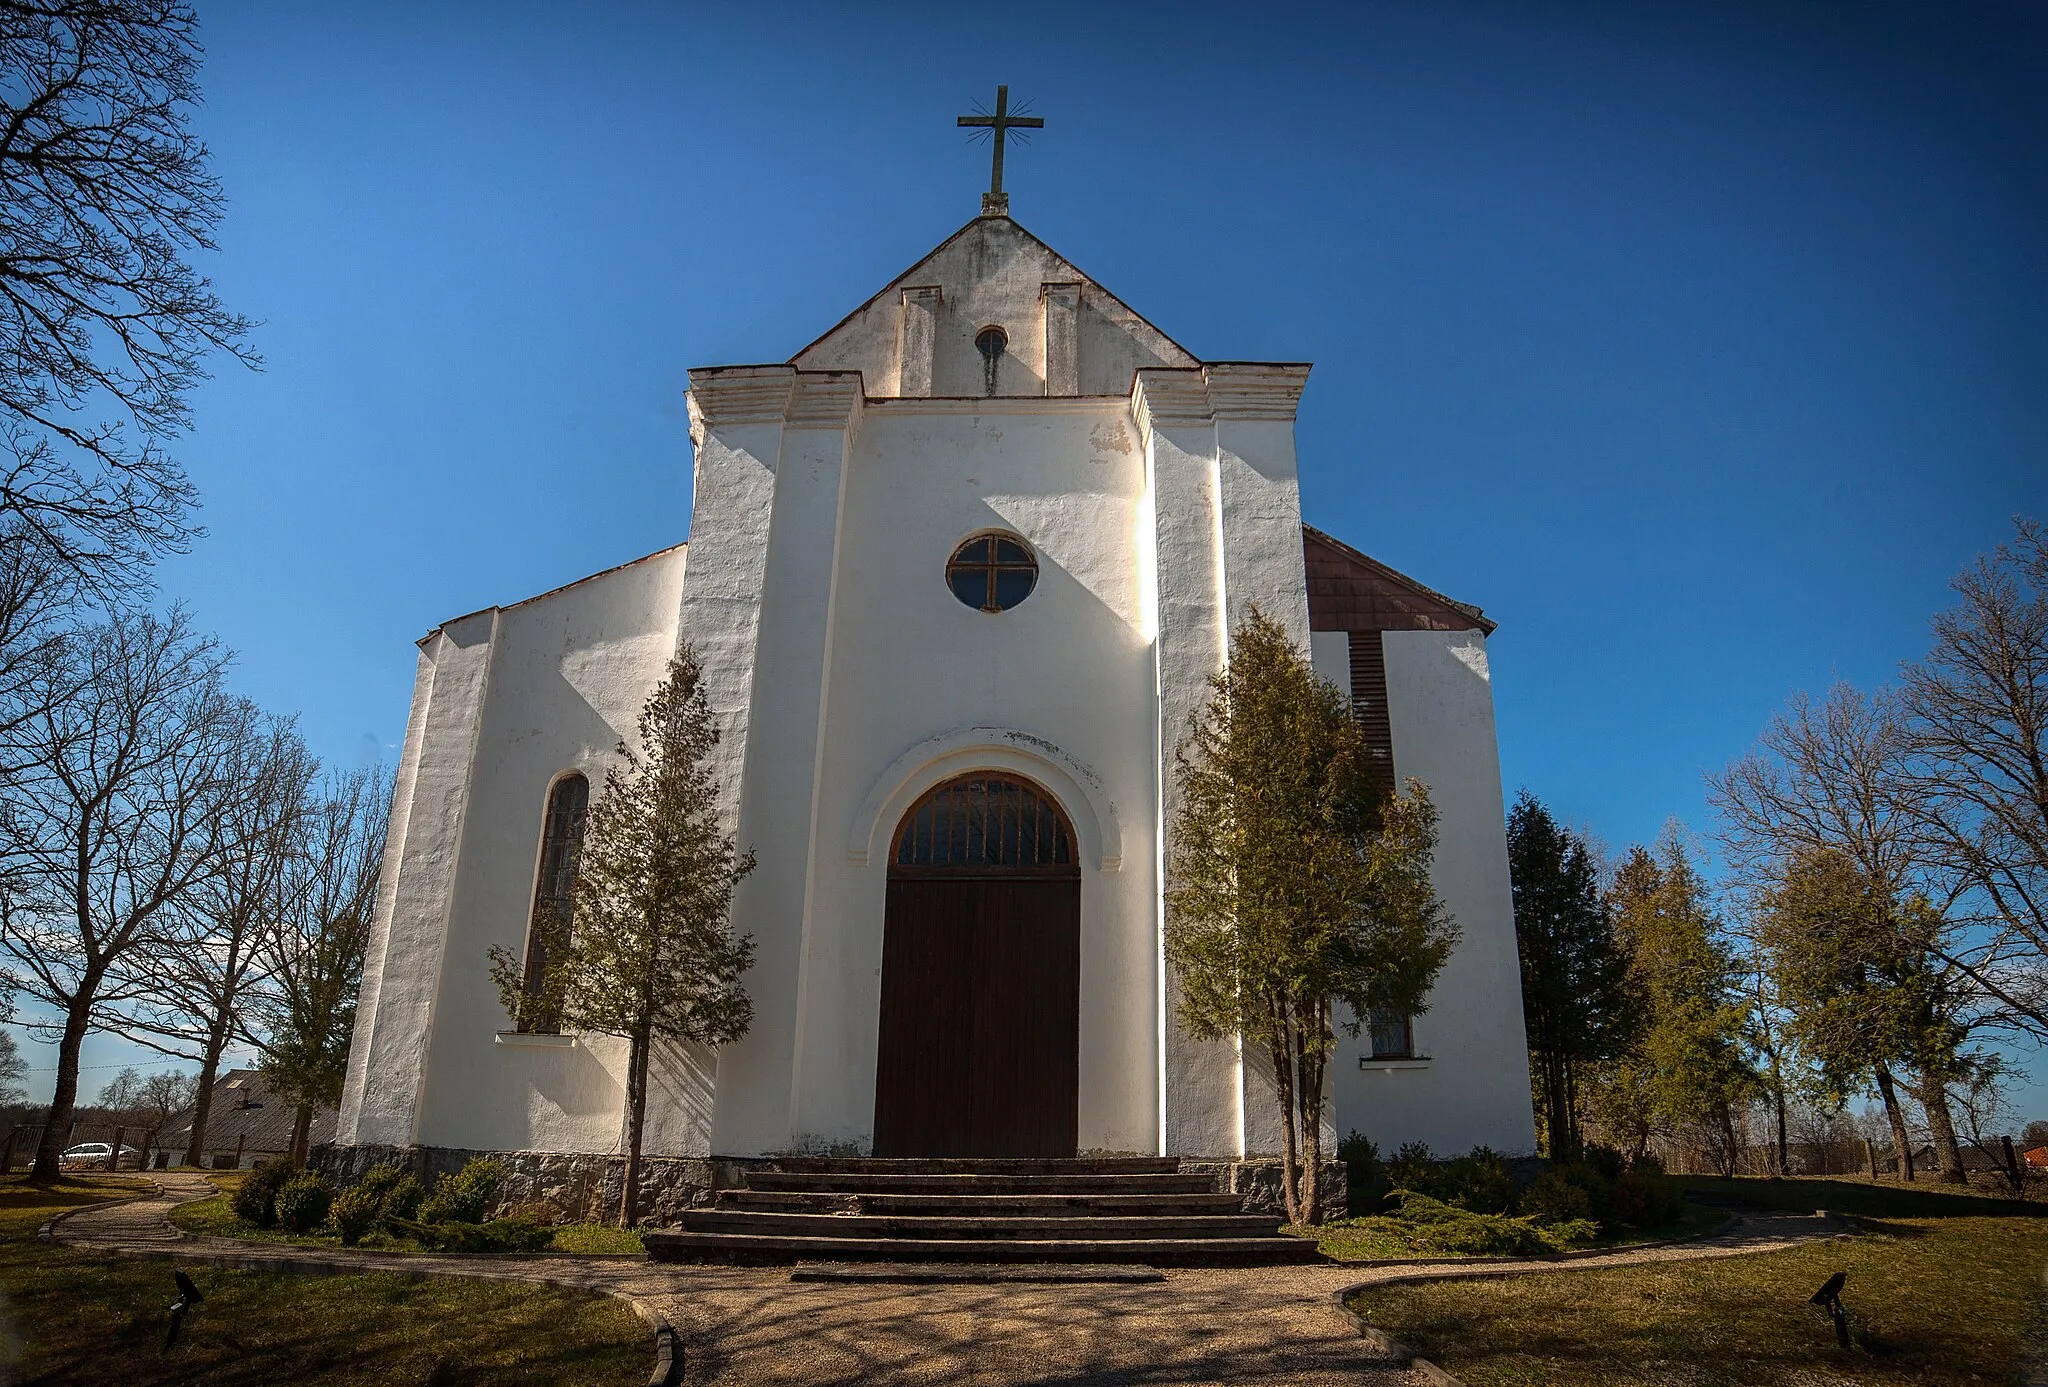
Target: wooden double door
979	1051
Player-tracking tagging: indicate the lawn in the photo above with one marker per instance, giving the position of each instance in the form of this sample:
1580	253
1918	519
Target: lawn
1371	1238
216	1217
88	1319
1943	1288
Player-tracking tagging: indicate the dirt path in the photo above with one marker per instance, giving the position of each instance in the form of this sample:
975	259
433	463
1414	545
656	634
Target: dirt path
745	1326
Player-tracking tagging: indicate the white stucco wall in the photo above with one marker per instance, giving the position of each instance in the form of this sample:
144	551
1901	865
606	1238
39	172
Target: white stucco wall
548	686
1473	1089
923	687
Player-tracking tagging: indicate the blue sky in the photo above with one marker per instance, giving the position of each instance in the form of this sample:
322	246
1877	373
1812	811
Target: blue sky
1700	344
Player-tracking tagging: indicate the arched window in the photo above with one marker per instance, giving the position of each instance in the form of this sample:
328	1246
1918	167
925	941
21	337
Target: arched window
985	822
561	836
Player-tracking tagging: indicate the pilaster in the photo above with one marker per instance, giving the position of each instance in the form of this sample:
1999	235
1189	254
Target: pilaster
1219	452
919	340
1062	338
401	976
771	465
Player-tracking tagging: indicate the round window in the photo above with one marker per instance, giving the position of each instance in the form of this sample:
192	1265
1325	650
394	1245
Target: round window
992	573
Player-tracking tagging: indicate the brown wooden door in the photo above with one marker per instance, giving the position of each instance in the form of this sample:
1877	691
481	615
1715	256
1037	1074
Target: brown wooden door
979	1050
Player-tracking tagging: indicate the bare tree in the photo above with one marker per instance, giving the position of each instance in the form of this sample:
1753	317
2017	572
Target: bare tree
190	996
1978	721
120	817
302	1011
105	326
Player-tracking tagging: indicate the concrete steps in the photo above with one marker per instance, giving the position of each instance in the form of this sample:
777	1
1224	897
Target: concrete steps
968	1202
1124	1210
863	1182
1003	1226
738	1249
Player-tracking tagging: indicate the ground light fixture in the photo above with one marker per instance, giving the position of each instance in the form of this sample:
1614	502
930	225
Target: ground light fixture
1829	1298
188	1296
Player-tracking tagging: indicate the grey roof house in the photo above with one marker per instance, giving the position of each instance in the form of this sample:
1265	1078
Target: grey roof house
247	1121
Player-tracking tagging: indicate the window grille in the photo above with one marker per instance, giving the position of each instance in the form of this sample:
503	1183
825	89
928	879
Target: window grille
1393	1035
983	822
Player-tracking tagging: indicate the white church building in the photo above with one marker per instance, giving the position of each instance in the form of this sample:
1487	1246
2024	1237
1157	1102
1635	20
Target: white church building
958	573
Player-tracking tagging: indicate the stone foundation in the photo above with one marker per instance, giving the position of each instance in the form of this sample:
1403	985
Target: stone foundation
1257	1178
584	1186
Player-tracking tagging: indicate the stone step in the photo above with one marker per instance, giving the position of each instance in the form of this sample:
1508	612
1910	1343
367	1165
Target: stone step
972	1204
857	1182
987	1229
744	1249
979	1165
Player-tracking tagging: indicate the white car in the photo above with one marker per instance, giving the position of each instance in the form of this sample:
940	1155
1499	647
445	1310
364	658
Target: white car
95	1155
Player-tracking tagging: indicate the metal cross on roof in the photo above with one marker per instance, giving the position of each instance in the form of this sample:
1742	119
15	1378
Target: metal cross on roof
995	202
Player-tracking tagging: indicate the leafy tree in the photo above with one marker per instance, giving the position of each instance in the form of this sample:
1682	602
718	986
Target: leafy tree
647	951
1842	777
1866	993
1689	1062
1575	1002
1294	885
104	195
301	1009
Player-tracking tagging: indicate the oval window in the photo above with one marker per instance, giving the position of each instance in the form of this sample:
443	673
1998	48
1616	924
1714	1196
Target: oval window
992	573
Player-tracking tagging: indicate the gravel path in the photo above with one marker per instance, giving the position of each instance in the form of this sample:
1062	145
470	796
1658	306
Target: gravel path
742	1325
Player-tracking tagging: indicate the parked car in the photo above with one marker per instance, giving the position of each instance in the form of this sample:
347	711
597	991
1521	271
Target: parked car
95	1155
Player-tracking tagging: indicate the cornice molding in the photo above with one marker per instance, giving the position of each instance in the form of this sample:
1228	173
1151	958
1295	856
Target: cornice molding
728	396
722	396
1175	397
1255	389
826	400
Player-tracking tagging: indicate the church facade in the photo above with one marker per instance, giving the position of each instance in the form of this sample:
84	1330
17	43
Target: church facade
958	573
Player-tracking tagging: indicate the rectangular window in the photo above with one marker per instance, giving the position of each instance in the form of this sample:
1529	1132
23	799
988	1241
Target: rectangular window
1393	1036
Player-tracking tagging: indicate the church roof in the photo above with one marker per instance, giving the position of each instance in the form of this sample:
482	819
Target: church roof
994	273
551	592
1352	591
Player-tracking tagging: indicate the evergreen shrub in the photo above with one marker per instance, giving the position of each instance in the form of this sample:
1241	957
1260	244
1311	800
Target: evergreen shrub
355	1213
256	1201
465	1197
520	1234
379	1179
303	1201
401	1203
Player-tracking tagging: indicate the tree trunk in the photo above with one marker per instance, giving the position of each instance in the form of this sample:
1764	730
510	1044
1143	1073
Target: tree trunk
1311	1043
636	1118
1290	1153
1901	1141
1784	1143
202	1101
1731	1149
1948	1155
50	1150
302	1127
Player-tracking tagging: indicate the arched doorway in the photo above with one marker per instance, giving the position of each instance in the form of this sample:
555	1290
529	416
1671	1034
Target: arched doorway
980	1051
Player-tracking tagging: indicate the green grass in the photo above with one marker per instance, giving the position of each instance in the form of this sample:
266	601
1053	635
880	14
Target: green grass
1372	1238
216	1218
1943	1288
89	1319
